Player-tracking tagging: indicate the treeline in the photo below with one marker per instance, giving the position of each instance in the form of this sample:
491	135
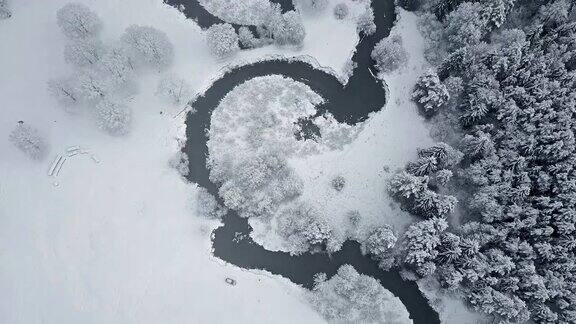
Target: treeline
504	86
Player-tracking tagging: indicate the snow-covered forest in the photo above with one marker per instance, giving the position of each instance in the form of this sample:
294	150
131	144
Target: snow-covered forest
135	137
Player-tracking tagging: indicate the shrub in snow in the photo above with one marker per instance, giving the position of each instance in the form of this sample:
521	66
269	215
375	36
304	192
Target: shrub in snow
64	91
83	52
338	183
113	118
389	54
207	206
78	22
349	297
5	12
365	23
174	90
150	44
222	40
118	65
341	11
29	141
301	228
430	92
313	5
380	245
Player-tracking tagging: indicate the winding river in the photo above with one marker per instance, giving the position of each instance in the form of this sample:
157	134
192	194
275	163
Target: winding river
351	103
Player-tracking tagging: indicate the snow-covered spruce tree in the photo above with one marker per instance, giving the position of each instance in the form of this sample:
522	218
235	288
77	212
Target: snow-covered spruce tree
422	241
430	93
64	91
380	244
365	23
389	54
341	11
207	206
84	52
5	11
150	44
222	40
174	90
465	25
118	65
349	297
29	141
78	22
113	118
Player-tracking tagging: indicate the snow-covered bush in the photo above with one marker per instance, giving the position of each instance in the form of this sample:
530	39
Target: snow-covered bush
5	11
314	6
349	297
174	90
83	52
430	92
222	40
338	183
113	118
365	23
301	228
341	11
78	22
29	141
389	54
64	91
207	206
150	44
118	64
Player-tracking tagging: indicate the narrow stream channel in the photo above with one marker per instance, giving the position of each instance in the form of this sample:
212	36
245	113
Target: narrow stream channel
362	95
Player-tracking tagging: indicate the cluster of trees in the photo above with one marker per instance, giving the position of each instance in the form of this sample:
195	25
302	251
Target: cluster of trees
5	11
104	74
349	297
279	28
514	66
389	54
28	140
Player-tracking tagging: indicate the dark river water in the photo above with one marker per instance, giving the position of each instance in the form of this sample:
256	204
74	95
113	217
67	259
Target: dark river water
353	103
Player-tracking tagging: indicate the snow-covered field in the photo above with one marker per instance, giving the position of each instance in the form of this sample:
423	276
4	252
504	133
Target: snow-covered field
114	241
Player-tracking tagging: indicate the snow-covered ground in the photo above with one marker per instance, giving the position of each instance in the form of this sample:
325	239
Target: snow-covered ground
114	241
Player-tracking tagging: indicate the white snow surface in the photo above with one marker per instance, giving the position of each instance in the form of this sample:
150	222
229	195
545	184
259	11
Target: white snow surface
245	12
113	239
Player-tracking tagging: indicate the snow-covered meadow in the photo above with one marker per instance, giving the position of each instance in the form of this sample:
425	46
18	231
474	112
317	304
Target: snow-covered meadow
112	236
112	239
